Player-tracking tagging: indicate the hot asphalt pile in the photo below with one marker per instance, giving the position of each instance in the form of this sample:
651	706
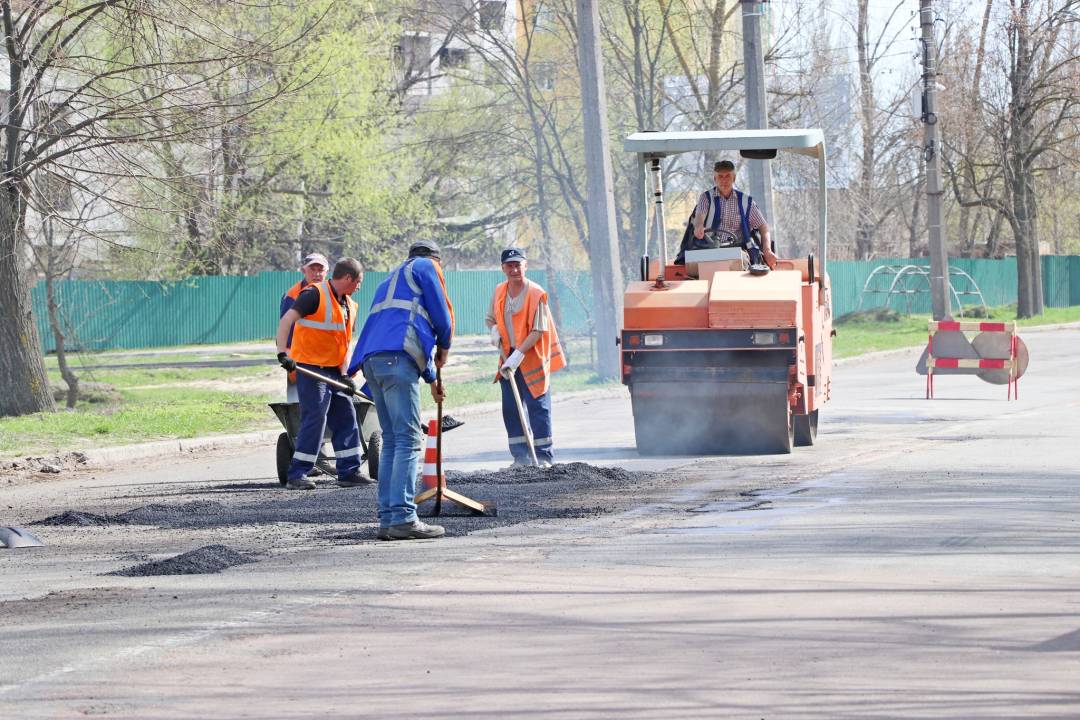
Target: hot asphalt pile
331	514
203	561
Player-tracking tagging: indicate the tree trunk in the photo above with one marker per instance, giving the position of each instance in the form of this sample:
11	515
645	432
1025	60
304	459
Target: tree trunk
26	388
864	224
70	378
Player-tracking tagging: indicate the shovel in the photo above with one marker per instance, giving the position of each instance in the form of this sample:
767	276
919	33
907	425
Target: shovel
17	537
332	383
521	410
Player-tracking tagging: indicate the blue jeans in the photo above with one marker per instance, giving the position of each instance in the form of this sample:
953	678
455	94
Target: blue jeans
394	382
538	411
321	405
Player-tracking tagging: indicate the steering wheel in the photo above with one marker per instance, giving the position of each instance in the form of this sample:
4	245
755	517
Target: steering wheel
718	239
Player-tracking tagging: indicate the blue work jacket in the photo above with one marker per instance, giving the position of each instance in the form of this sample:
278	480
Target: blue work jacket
410	312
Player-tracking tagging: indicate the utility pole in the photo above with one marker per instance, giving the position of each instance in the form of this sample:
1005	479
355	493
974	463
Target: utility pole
939	258
757	104
600	211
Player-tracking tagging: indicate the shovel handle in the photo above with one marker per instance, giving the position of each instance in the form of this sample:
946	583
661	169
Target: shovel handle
319	376
525	427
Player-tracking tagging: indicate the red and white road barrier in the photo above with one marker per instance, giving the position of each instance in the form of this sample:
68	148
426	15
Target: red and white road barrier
1009	363
431	457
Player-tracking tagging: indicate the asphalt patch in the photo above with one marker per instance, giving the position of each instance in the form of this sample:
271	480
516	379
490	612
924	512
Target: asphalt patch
575	472
75	518
203	561
518	494
164	514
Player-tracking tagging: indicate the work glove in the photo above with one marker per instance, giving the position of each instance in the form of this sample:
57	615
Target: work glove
286	362
511	364
350	385
496	338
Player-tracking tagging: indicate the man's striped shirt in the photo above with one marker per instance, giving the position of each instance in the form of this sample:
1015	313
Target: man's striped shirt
729	212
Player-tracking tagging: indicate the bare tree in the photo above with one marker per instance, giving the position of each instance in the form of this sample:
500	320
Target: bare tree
1028	121
56	243
92	84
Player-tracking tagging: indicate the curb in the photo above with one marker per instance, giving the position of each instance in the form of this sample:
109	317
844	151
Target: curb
111	455
98	457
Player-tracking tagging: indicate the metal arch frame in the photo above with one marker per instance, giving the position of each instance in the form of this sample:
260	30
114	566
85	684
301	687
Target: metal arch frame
902	272
652	146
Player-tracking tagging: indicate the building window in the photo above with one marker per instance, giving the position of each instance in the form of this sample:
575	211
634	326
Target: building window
492	14
462	14
413	53
450	57
543	74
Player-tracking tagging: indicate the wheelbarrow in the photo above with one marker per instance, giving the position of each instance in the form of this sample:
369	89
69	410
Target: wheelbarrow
367	420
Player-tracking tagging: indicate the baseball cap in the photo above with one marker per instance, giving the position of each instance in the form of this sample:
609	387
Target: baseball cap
724	166
425	248
512	255
313	258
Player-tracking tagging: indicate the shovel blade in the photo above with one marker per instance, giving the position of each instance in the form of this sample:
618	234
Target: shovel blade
17	537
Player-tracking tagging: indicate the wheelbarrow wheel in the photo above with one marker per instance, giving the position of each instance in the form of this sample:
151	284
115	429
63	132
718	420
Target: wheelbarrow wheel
284	457
374	447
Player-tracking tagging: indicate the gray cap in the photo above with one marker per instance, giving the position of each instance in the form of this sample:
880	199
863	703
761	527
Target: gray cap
425	248
316	259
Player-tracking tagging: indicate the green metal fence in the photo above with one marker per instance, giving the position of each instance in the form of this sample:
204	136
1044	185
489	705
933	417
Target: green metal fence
114	314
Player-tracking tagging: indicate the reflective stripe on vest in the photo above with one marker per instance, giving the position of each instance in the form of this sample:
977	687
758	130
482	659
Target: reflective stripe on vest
410	343
328	312
323	336
543	358
413	306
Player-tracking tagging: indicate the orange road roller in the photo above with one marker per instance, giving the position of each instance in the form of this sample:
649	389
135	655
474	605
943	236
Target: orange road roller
720	356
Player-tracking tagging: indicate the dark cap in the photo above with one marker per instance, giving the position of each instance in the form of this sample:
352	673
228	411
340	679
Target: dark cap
425	248
513	255
724	166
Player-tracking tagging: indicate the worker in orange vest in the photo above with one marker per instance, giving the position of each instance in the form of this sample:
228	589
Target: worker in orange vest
314	269
521	327
321	322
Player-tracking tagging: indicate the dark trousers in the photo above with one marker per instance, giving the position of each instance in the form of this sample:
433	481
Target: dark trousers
322	405
539	413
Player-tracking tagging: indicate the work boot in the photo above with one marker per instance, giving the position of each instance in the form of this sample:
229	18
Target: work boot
300	483
759	269
415	530
356	478
384	534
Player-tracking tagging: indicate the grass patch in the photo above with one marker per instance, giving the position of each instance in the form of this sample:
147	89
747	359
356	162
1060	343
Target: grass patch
143	416
472	392
875	330
135	377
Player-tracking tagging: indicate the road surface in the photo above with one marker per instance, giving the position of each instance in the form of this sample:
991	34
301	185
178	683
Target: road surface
921	561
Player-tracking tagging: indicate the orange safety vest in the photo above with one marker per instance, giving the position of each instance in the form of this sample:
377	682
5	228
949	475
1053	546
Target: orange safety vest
322	338
543	358
294	291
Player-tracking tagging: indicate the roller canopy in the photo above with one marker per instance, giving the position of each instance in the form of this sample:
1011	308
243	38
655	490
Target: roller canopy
805	142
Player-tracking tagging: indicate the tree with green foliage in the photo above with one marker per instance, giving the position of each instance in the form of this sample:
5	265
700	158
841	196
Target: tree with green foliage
93	84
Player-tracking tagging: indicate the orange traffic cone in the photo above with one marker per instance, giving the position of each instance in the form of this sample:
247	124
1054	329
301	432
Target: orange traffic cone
431	477
435	481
